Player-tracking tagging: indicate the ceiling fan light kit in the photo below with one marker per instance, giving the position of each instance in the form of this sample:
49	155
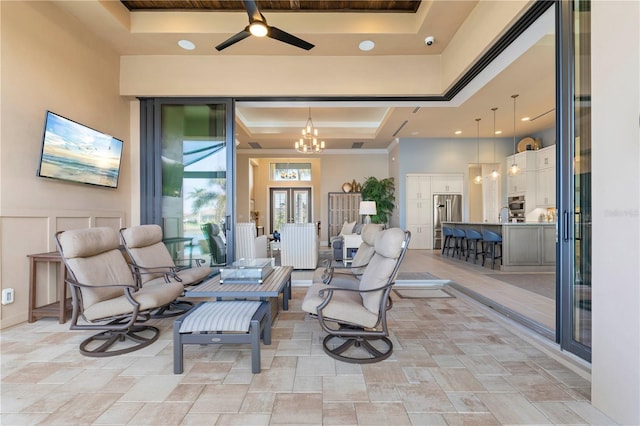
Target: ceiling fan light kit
258	27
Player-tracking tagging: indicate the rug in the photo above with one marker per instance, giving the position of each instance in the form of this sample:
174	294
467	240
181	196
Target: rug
416	276
543	284
422	293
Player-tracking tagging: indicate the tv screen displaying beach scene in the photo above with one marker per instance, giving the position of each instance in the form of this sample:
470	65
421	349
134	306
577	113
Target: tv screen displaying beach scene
76	153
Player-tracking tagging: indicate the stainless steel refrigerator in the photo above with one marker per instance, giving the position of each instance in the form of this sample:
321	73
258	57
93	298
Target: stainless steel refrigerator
446	208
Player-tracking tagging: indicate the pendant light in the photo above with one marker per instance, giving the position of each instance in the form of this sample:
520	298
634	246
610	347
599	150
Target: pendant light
494	173
514	169
478	179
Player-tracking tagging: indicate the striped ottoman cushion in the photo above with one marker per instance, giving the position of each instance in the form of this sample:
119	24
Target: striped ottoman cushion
229	315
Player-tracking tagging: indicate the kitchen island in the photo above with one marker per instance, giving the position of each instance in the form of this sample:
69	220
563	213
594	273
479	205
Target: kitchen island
526	247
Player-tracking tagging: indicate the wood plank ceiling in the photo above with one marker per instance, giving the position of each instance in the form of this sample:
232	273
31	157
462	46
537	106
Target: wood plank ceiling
388	6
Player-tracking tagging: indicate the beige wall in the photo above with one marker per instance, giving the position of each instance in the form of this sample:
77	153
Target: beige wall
615	183
333	169
51	63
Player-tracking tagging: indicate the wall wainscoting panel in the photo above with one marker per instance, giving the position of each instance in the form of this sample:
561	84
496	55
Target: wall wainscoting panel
25	232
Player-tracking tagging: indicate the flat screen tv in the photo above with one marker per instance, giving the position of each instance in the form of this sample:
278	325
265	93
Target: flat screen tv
76	153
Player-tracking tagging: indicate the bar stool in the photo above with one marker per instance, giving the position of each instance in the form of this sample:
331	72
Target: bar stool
492	241
459	238
473	238
447	236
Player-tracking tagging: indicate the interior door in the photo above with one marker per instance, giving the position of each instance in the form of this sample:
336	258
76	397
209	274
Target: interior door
289	205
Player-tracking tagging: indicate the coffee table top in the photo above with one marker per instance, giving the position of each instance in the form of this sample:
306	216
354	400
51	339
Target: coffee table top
271	287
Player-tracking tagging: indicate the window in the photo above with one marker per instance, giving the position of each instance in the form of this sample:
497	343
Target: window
290	172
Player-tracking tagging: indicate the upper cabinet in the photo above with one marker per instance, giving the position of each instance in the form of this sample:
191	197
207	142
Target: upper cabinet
537	177
546	184
418	187
446	184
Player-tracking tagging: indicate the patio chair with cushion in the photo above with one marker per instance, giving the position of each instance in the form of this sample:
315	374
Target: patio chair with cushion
215	241
105	295
355	320
350	277
152	263
248	244
299	245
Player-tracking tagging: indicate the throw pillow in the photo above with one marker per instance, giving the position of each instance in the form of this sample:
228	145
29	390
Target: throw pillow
347	228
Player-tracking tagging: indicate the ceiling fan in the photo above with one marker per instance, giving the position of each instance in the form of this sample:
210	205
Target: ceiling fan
258	27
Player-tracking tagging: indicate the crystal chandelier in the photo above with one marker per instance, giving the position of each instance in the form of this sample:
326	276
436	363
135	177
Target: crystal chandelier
308	143
514	169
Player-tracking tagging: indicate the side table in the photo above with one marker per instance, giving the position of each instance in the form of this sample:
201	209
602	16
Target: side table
57	309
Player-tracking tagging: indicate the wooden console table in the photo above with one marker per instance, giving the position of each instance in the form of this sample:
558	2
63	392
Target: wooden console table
57	309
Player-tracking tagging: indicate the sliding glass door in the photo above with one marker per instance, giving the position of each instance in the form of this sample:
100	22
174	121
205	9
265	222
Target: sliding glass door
574	130
186	179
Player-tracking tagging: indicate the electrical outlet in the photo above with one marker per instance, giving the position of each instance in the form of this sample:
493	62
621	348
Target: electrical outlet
7	296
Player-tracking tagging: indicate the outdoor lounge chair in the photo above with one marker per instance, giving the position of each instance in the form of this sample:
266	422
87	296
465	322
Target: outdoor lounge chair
152	263
350	277
105	294
355	319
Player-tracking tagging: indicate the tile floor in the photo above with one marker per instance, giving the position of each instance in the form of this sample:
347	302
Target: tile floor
455	362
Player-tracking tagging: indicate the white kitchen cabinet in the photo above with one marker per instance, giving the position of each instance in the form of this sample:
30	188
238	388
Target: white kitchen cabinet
446	184
546	177
418	186
421	237
420	189
546	157
419	211
521	183
546	187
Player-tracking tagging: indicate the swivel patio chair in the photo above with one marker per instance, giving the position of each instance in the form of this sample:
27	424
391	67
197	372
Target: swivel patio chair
217	247
105	295
350	277
355	320
152	263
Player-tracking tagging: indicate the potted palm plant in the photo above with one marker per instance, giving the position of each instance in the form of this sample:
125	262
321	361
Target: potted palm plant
382	192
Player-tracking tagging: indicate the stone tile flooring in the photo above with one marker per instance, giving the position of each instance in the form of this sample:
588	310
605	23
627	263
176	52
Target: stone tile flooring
455	363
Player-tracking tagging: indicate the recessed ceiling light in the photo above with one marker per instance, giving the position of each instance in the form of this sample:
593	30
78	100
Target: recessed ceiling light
415	133
458	132
498	132
367	45
525	119
186	44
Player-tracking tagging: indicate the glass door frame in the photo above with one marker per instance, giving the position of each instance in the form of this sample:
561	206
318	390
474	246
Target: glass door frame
151	162
565	178
290	195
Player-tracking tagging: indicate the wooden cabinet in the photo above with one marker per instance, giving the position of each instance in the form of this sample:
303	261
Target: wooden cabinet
446	184
343	207
546	177
420	189
529	247
525	180
421	237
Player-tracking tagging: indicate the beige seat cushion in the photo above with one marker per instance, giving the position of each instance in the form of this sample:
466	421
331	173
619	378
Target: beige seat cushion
344	306
144	245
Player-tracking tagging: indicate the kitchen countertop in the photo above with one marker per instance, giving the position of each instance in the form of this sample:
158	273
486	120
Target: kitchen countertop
503	224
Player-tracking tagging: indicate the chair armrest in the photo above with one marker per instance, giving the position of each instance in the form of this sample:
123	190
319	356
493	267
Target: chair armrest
169	272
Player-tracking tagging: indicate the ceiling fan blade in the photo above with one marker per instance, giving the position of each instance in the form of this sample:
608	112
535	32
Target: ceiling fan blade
234	39
278	34
253	11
